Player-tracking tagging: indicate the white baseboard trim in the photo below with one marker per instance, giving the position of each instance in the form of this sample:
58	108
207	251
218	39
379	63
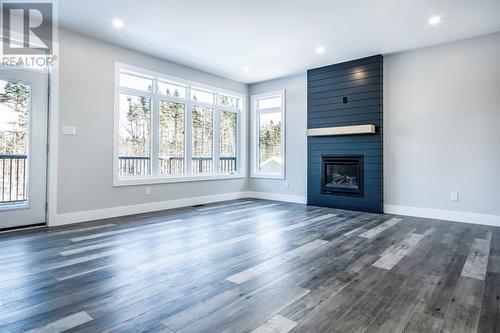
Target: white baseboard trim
278	197
98	214
441	214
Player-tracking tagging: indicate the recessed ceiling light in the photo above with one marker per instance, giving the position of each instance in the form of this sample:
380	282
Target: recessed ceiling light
433	20
320	50
246	69
117	23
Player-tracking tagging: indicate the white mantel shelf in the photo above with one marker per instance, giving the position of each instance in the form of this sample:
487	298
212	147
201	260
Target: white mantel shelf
341	130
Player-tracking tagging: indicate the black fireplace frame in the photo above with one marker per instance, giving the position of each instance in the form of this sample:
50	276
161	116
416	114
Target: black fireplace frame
344	159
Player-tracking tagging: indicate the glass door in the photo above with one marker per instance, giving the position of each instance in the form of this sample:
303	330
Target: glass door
23	142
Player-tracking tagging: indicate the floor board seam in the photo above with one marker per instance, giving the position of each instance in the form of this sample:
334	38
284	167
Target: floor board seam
379	312
490	238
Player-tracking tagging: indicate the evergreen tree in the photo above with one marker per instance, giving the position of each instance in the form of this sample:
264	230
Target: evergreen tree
137	127
270	140
172	135
15	96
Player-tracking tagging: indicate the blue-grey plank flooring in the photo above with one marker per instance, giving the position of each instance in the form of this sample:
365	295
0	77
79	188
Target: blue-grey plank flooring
252	266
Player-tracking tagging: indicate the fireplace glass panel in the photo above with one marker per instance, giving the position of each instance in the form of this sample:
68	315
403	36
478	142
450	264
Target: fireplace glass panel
343	175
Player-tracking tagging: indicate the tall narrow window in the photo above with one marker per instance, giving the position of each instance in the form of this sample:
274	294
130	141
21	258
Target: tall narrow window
135	129
228	140
202	134
268	132
171	138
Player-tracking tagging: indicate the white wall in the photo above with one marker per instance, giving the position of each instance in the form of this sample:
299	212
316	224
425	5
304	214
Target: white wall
86	101
442	127
296	143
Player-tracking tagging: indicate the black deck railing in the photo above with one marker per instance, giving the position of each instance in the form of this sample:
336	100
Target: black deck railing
14	171
13	181
140	165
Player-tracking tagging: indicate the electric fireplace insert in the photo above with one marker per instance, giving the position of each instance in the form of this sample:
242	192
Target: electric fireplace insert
342	175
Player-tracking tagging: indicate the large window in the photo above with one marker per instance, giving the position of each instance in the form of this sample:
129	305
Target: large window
268	133
169	129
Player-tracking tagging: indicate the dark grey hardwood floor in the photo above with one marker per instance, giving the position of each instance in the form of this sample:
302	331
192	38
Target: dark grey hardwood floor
252	266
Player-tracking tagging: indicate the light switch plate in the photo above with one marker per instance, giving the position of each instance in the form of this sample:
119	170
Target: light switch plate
454	196
68	130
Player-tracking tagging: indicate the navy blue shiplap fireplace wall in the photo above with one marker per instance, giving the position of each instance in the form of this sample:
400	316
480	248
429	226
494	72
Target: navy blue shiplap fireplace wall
345	94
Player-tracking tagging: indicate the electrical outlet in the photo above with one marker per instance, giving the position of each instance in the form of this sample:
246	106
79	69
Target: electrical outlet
286	184
68	130
454	196
148	190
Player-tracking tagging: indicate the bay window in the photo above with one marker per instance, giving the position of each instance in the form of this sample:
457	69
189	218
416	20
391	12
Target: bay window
168	129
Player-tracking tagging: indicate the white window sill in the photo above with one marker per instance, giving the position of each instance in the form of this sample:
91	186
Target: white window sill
268	176
130	181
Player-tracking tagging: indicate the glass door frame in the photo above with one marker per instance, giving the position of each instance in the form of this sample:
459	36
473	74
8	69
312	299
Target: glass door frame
34	211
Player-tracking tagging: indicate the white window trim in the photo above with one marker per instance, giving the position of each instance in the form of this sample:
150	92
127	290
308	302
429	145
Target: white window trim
255	173
155	177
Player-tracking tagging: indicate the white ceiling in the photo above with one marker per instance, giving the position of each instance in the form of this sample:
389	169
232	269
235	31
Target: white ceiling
275	38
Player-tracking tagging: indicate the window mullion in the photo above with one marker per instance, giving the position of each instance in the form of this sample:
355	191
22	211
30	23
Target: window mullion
283	136
238	143
188	153
256	140
216	139
155	132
